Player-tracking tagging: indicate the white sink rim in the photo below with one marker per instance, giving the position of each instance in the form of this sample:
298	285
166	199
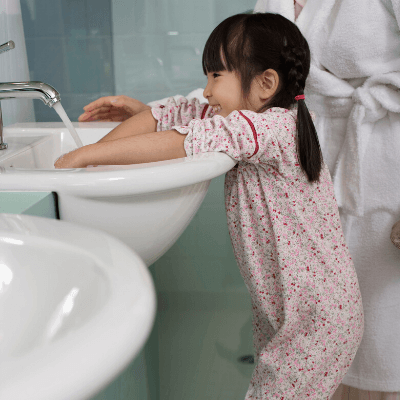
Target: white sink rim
119	180
52	371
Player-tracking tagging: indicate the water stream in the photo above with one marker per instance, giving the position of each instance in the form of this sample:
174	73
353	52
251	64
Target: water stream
63	115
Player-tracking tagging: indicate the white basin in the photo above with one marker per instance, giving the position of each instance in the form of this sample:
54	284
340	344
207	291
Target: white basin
76	306
147	206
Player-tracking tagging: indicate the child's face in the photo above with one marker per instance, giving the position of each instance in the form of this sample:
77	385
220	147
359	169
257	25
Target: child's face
224	92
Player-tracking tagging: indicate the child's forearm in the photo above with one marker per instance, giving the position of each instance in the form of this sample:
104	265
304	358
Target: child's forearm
137	149
144	122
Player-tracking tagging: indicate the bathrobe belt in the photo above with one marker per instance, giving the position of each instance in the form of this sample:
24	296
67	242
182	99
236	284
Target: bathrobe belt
330	96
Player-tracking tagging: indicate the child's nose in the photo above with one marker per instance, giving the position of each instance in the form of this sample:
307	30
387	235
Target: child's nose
207	92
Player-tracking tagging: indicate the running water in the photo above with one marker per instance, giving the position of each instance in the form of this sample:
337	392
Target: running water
63	115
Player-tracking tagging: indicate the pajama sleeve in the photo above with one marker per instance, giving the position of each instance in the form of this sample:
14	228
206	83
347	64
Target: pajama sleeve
243	135
180	112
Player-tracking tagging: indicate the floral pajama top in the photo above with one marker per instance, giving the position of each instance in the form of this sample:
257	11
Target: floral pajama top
287	239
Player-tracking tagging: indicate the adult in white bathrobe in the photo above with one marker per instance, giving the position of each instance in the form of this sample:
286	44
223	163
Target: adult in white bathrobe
353	87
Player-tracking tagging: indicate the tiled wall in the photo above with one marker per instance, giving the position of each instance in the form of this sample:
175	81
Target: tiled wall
158	45
40	204
69	46
147	49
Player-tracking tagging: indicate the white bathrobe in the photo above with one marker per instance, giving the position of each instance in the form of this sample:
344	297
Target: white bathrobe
353	87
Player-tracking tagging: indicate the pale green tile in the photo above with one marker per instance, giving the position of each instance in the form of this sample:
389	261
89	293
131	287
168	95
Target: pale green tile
199	353
43	208
20	202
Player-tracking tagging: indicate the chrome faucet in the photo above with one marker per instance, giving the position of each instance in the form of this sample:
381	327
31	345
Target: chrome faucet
16	90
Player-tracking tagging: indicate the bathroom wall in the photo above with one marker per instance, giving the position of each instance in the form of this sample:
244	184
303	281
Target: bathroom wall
158	45
69	46
157	51
40	204
147	49
14	63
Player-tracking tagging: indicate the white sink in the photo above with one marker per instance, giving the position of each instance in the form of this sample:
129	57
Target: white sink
76	306
147	206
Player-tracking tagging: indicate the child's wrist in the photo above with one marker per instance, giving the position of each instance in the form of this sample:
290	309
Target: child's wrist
145	107
79	158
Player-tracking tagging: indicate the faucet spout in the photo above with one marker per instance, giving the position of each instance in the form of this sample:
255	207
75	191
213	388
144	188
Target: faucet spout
33	90
18	90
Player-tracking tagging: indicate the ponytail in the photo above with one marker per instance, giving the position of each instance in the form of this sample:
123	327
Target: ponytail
294	70
308	148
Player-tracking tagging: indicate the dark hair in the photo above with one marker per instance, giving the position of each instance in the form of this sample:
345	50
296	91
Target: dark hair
249	44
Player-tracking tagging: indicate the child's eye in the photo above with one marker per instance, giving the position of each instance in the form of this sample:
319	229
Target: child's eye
215	75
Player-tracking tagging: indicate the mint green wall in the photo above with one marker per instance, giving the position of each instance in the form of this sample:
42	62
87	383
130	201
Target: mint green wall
40	204
198	272
202	259
148	50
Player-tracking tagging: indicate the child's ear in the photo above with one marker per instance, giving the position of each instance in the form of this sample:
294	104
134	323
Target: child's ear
268	83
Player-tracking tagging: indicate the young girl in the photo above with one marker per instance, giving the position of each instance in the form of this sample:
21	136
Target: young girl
282	215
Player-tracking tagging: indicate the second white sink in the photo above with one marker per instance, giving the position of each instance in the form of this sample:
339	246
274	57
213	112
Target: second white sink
76	306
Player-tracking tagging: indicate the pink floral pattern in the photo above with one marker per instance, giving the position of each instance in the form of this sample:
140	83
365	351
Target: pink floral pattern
287	238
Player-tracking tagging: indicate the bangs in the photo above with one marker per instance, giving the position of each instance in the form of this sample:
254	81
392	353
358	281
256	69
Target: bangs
212	56
224	46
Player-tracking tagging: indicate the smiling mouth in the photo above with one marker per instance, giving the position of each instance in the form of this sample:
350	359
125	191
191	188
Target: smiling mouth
216	108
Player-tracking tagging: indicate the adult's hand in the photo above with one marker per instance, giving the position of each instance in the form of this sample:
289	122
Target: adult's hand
112	108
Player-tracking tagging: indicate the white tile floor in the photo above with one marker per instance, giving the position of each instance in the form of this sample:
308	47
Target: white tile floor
199	351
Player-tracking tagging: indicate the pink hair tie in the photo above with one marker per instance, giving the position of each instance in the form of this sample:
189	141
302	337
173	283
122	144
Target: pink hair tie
300	97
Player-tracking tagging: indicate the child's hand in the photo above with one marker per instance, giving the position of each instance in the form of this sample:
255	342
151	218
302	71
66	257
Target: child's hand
69	160
112	108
